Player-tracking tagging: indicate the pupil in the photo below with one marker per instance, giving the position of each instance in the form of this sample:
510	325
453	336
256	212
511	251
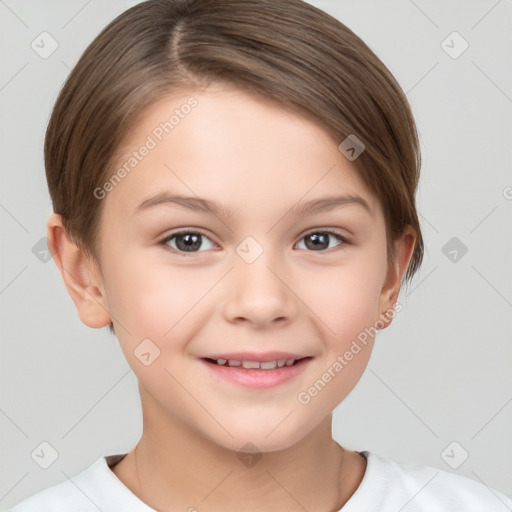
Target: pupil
318	240
190	242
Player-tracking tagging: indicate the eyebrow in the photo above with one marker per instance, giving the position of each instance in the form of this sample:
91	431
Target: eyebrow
299	209
327	204
190	202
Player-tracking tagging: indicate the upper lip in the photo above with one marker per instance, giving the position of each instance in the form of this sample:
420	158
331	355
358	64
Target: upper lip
254	356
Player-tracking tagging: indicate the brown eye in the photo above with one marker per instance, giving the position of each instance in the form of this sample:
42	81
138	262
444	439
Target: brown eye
187	241
321	240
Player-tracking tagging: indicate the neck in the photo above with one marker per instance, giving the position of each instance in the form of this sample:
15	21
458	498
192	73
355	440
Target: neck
174	468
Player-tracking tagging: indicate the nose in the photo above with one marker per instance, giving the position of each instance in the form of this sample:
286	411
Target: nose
259	294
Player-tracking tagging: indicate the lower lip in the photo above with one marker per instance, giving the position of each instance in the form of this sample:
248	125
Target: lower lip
253	378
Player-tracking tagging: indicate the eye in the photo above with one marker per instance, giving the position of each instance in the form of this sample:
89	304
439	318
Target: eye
187	241
320	240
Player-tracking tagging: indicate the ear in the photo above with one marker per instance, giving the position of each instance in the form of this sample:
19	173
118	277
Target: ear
80	273
404	249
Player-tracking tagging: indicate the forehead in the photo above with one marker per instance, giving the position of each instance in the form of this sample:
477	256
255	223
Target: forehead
225	144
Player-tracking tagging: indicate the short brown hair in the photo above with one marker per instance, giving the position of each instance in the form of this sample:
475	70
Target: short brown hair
287	52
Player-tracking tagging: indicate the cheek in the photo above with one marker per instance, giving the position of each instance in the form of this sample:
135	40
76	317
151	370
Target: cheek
346	304
164	303
345	299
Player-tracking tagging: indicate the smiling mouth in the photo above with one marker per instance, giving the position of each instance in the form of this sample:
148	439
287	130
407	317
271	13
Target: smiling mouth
256	365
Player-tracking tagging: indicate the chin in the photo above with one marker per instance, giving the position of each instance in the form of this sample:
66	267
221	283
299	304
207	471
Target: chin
263	436
256	443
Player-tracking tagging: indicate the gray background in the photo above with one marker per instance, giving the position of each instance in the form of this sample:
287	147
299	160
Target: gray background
441	373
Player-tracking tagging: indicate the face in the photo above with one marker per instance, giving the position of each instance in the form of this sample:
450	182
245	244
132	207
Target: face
241	234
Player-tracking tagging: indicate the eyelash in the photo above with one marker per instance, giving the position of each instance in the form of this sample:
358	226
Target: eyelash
334	234
168	238
175	234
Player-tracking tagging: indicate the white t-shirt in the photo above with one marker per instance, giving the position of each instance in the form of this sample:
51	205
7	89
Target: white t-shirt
386	487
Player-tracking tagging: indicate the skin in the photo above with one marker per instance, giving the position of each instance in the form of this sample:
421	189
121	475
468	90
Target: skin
259	161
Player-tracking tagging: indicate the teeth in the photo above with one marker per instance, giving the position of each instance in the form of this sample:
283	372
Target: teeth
250	364
267	365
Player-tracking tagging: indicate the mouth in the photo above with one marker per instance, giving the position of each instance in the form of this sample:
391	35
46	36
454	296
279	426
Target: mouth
253	373
255	365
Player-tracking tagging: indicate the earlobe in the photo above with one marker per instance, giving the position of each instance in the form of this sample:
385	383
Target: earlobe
404	249
80	274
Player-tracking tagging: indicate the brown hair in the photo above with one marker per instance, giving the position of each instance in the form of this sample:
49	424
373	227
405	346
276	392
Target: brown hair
287	52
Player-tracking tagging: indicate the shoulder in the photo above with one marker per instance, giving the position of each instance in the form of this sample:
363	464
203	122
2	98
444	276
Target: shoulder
62	496
388	485
95	488
56	498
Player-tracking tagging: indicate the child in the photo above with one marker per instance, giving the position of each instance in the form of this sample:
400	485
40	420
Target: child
234	193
